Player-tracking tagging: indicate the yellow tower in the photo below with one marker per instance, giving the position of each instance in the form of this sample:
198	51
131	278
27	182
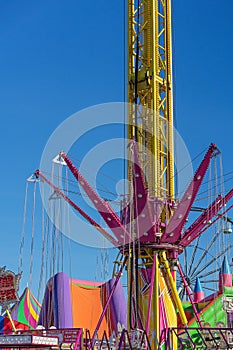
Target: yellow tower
150	92
150	124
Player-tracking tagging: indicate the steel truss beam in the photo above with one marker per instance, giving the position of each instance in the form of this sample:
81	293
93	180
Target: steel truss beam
150	92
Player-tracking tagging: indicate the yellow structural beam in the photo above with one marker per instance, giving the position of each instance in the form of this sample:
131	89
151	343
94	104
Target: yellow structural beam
150	89
172	285
150	123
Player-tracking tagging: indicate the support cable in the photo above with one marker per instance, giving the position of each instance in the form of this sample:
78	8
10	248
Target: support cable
136	74
32	241
23	230
43	246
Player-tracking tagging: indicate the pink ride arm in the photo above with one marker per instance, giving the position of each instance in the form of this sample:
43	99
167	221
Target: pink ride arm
196	228
78	209
216	219
105	210
173	231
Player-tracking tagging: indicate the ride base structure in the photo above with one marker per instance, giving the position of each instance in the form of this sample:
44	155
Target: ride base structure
151	235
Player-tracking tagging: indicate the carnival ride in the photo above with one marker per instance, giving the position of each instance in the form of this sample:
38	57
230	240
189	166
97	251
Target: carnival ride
166	259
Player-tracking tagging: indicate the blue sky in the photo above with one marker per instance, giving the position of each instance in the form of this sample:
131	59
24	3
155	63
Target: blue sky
58	57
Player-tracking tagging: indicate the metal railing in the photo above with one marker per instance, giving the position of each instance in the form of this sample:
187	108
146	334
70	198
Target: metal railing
199	338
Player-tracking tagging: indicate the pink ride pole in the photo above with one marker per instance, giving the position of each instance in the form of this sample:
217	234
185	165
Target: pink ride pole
106	305
151	294
189	295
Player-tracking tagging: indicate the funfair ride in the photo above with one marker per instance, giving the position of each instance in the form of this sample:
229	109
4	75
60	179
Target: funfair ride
150	233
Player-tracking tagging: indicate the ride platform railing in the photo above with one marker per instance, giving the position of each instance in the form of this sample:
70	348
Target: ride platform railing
125	340
199	338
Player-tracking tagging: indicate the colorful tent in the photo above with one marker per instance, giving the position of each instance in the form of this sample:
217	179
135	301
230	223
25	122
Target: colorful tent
72	303
27	309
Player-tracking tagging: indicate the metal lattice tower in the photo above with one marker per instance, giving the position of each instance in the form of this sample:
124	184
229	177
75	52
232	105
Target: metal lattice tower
150	92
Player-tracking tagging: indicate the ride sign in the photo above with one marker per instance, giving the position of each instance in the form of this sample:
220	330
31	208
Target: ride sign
9	285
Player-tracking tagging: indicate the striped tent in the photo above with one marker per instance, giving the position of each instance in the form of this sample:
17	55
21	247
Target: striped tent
26	310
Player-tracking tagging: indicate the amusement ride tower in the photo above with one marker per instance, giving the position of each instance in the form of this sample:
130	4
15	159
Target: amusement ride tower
150	92
150	125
